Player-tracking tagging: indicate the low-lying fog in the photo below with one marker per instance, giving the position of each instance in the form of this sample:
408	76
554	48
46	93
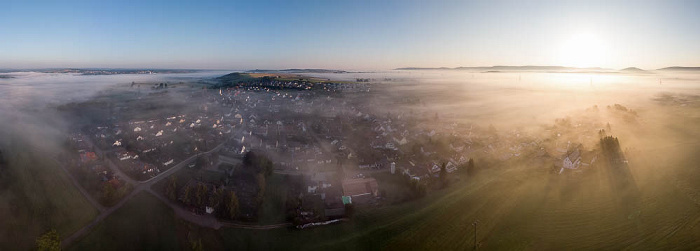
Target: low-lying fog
28	99
662	128
529	96
506	100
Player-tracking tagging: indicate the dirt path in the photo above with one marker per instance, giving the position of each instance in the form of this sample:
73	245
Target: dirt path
201	220
139	186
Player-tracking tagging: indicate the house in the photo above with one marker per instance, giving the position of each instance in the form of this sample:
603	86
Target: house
312	189
402	141
362	187
572	160
88	157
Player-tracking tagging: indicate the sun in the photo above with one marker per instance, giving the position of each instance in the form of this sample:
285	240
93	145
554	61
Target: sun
583	50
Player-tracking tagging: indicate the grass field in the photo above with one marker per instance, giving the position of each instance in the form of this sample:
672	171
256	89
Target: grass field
557	212
144	223
37	196
514	214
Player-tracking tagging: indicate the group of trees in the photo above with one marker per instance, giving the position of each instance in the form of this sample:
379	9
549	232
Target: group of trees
260	178
111	195
231	205
224	202
610	146
417	188
263	166
258	162
469	169
291	205
197	195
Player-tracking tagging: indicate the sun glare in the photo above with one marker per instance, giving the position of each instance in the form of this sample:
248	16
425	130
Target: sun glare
583	50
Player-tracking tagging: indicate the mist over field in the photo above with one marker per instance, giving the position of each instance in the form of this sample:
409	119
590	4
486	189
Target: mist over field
520	198
36	195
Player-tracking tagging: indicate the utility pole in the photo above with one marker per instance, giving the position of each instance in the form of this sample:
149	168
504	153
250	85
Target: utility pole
474	224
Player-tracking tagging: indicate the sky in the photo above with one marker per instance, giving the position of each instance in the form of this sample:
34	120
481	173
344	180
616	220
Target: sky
351	35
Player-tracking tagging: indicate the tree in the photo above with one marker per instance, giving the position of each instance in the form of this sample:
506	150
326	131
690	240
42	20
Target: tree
232	205
259	163
187	198
201	194
419	189
471	169
601	133
249	158
171	189
443	175
216	197
261	185
49	241
196	245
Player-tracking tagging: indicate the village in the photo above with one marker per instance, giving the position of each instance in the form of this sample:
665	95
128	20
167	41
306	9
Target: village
311	151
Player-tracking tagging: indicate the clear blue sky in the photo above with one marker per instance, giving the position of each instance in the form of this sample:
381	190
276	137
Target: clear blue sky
348	34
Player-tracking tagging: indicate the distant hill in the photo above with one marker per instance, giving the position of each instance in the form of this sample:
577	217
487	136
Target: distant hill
236	77
679	68
501	68
298	71
422	68
633	70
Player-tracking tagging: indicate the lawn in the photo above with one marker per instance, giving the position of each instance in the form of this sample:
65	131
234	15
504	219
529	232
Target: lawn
37	195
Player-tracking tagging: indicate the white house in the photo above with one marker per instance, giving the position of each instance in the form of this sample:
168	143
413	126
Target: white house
572	160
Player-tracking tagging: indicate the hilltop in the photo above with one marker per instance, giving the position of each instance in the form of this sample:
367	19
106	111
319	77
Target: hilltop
633	70
513	68
235	78
679	68
298	71
546	68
